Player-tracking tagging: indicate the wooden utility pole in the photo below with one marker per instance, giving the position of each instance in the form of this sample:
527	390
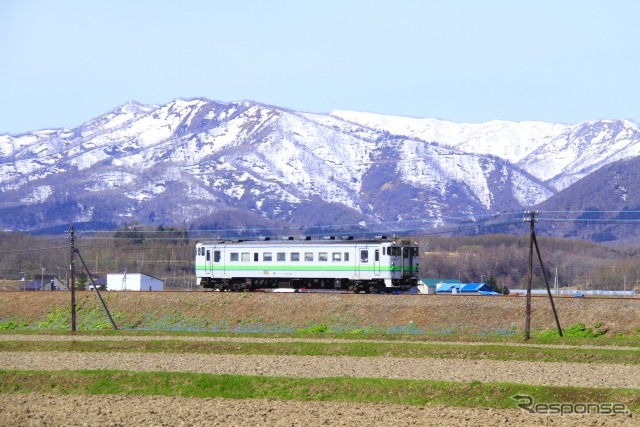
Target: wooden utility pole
534	242
527	312
73	280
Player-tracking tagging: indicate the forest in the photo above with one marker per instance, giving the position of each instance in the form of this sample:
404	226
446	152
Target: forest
167	253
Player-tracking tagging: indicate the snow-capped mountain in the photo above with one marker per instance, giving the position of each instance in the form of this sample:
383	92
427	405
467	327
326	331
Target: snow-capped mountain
244	164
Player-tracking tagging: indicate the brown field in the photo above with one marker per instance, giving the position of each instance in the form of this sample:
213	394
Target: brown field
443	314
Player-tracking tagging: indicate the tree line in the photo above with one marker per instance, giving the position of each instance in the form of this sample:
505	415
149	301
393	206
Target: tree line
168	254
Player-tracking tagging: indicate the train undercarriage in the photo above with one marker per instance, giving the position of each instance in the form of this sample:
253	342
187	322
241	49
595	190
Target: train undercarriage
356	286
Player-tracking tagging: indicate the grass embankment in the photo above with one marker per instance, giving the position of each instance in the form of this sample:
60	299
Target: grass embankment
363	390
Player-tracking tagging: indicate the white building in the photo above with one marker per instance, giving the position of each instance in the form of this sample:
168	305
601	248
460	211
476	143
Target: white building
133	282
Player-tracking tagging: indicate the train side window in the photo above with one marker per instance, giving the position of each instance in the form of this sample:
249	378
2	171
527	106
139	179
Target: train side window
234	256
208	255
216	256
364	255
295	256
255	256
323	256
267	256
336	257
245	257
376	255
280	256
308	256
346	256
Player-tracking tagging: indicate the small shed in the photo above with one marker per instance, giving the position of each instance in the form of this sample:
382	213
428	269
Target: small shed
100	282
44	282
133	282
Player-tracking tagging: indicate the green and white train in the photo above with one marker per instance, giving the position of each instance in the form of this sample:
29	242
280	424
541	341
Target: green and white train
373	265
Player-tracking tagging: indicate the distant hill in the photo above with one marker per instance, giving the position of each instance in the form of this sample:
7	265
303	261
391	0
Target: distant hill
601	206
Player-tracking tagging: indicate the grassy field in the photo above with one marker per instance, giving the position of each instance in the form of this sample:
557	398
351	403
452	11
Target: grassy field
347	346
364	390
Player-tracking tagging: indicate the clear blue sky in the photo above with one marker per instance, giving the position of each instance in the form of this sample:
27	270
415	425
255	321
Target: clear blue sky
64	62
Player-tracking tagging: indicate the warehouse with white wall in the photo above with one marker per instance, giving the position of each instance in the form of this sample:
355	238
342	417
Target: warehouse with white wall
133	282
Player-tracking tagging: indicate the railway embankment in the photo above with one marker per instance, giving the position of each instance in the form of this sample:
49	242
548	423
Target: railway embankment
273	312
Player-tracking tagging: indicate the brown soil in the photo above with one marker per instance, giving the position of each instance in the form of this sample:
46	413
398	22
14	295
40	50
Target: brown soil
107	411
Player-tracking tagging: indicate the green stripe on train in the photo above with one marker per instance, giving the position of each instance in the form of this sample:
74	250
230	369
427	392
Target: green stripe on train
275	267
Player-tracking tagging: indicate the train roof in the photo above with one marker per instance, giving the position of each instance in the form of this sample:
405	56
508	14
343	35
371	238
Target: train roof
298	241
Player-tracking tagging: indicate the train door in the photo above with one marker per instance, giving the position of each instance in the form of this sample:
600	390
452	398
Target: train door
213	257
207	261
409	259
363	262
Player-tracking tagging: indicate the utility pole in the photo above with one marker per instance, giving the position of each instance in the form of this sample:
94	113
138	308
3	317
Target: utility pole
527	311
72	267
534	242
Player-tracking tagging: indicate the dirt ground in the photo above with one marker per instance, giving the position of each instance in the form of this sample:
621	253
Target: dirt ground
51	410
536	373
46	410
426	313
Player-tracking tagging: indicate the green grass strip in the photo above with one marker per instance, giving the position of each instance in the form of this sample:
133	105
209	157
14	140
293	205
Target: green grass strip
362	390
346	348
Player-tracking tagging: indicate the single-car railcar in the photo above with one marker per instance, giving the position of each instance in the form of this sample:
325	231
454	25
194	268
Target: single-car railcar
356	265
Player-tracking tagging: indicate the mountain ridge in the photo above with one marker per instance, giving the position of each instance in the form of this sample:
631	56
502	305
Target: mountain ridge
192	159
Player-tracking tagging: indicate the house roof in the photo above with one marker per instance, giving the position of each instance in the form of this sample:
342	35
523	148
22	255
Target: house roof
34	285
436	282
447	287
474	287
481	288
